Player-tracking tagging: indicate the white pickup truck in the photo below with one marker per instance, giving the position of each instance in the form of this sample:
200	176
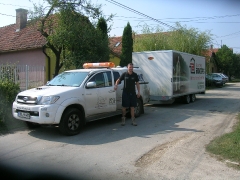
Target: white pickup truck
76	97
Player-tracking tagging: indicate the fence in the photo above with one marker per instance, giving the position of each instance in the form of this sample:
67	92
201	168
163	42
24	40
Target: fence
26	76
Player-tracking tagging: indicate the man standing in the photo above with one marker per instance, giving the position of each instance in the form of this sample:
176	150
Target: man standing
129	98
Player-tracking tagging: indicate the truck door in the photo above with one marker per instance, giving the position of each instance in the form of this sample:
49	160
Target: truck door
102	98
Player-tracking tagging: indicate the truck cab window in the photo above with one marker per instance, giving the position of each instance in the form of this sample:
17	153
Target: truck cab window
116	76
108	78
99	79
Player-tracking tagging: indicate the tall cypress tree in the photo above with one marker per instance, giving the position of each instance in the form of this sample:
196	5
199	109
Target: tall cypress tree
127	46
104	51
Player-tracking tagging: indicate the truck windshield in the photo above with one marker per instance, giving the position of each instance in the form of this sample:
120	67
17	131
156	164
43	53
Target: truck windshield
68	79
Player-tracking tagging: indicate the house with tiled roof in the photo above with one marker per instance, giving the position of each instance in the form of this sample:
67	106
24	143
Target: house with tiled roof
115	45
22	44
211	61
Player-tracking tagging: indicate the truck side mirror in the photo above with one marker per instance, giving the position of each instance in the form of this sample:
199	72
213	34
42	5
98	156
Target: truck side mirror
91	85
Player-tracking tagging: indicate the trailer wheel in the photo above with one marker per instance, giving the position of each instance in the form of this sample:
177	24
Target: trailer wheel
193	97
71	122
187	99
139	108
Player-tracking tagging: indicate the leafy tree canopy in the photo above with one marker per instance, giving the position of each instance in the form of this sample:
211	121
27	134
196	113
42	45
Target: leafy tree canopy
70	34
229	63
180	38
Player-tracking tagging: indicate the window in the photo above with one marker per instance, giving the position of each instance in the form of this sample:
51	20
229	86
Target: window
99	79
116	76
109	78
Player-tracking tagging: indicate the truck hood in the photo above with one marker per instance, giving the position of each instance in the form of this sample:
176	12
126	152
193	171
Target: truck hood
49	90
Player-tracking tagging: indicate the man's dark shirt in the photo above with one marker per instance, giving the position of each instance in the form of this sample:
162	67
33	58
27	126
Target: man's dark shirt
129	81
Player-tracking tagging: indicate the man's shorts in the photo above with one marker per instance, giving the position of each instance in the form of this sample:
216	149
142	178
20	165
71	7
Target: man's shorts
129	99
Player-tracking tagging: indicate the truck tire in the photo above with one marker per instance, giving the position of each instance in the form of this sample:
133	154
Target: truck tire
71	122
139	108
187	99
193	97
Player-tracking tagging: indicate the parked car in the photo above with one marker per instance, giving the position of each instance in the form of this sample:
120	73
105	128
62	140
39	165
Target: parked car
214	79
224	77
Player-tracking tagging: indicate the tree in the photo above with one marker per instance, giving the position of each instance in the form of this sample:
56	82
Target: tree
236	65
228	61
179	38
127	46
105	51
70	35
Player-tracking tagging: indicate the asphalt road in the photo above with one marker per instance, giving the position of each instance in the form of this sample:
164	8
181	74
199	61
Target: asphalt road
168	143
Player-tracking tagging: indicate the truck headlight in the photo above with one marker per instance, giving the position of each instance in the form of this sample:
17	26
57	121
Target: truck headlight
45	100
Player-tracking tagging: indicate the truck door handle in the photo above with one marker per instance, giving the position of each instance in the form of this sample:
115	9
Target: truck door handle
89	94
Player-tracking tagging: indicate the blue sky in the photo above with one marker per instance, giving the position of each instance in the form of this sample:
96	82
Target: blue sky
221	17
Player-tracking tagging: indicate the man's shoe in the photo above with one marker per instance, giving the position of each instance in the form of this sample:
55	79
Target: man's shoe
134	122
123	121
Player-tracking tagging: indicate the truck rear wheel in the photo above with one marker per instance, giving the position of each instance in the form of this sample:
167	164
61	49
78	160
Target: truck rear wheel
193	97
139	108
71	122
187	99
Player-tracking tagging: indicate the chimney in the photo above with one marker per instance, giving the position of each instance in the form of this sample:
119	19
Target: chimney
21	19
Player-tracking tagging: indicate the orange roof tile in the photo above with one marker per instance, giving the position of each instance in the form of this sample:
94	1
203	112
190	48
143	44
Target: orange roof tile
115	45
26	38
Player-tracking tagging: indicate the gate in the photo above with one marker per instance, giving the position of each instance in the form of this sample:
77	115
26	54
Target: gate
25	75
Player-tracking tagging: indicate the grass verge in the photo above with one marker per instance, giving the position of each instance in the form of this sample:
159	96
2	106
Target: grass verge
227	146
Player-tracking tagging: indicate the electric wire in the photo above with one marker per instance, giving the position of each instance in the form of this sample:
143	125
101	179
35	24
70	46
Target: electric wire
139	13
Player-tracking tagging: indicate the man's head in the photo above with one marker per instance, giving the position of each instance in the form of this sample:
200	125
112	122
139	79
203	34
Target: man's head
130	67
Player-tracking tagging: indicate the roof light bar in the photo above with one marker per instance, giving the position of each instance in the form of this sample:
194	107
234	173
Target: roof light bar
99	65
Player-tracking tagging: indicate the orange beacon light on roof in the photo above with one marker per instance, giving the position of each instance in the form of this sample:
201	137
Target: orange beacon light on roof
99	65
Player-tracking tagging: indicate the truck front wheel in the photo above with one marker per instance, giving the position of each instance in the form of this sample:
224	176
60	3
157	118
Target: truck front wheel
71	122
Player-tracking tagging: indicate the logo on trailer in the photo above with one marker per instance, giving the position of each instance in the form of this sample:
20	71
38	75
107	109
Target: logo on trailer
192	66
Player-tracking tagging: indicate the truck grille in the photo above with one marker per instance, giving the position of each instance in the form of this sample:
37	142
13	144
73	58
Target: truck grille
27	100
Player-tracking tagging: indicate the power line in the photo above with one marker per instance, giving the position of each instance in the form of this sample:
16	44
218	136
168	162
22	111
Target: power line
15	5
137	12
211	17
7	15
230	34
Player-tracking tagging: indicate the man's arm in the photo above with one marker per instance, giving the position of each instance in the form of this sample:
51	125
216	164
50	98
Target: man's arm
116	84
138	88
119	80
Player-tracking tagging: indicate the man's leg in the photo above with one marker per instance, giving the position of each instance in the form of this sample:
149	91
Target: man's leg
123	116
133	116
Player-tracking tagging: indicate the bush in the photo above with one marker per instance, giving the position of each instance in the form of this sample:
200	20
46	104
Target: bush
8	92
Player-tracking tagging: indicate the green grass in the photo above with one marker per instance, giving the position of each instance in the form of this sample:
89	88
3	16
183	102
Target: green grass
227	146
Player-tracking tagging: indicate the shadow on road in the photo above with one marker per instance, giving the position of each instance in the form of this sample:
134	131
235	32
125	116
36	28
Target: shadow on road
158	119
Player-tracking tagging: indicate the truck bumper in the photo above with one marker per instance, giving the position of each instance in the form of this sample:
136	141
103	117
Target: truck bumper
41	114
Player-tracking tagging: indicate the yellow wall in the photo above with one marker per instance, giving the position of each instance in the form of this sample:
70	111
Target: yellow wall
115	60
52	64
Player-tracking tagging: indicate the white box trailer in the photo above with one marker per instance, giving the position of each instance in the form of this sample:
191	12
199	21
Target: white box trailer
171	74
